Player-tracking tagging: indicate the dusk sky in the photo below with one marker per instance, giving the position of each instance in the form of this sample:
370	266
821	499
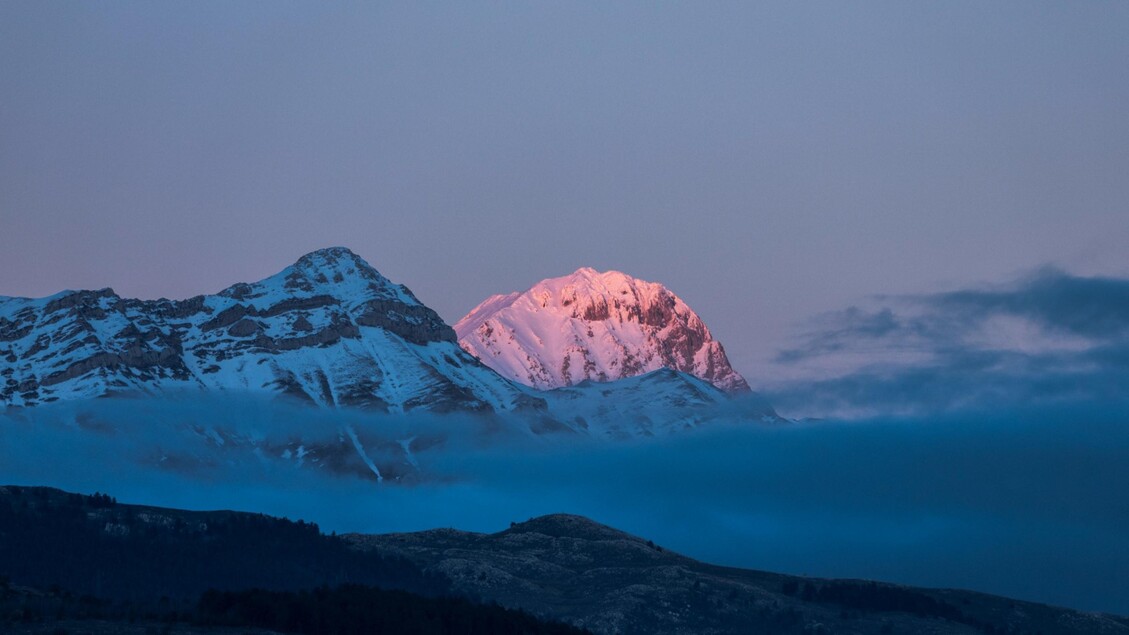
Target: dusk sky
765	162
907	222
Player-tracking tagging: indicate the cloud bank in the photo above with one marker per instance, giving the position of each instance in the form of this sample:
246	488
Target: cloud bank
1048	337
1028	502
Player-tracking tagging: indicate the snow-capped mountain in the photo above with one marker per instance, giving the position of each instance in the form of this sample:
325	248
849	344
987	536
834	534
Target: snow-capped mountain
329	330
198	377
593	326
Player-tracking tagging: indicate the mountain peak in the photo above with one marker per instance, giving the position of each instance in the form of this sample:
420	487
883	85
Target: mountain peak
332	258
595	326
334	271
590	273
336	265
611	276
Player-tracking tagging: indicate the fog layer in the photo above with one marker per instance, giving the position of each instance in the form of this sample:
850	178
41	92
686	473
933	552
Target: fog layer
1026	502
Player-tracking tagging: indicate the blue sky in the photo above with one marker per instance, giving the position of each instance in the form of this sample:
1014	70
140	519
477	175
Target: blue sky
767	161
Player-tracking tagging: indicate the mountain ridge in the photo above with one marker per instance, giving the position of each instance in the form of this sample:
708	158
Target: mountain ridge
329	329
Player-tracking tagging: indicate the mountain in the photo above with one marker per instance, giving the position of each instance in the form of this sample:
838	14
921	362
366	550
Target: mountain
189	377
329	330
593	326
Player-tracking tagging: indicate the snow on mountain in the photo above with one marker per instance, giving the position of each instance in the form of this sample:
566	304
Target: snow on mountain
196	379
593	326
328	330
657	403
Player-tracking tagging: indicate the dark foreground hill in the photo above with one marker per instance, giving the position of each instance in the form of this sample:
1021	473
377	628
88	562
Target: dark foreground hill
78	563
573	569
71	563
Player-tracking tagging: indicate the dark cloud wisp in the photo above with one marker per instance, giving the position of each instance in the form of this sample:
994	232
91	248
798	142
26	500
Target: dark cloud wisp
1095	307
1048	336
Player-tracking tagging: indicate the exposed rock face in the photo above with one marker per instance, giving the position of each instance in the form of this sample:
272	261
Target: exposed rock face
593	326
329	329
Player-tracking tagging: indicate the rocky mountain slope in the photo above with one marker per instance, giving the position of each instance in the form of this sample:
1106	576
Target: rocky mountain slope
593	326
328	330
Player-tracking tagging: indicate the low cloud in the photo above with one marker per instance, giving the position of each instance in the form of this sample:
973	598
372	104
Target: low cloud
1095	308
1047	337
1021	501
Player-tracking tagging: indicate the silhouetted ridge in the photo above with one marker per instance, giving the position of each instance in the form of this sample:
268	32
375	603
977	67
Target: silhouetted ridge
95	545
559	566
569	526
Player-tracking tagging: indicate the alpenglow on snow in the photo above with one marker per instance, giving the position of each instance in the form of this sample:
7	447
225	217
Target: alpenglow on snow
593	326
